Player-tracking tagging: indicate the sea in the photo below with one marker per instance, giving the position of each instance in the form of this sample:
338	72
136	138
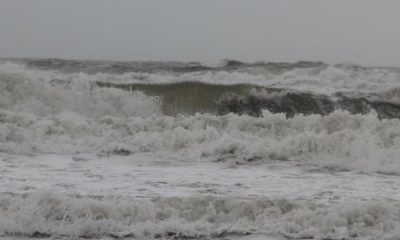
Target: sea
188	150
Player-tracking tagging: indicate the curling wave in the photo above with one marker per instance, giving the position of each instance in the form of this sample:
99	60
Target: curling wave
199	97
208	114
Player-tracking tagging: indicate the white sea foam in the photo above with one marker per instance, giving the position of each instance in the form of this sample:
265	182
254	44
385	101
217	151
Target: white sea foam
339	140
47	93
65	113
47	214
53	112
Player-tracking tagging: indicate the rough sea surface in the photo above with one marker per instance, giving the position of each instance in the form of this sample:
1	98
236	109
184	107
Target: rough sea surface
170	150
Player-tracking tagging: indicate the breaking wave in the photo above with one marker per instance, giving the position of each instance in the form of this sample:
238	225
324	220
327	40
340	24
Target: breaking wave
44	94
59	215
207	115
200	97
339	140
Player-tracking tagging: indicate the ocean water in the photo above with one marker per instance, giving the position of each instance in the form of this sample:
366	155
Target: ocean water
170	150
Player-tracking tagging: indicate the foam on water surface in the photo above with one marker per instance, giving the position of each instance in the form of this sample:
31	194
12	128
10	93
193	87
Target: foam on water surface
49	214
84	160
146	196
152	176
337	141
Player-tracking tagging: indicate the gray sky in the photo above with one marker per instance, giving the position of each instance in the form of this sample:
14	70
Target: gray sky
359	31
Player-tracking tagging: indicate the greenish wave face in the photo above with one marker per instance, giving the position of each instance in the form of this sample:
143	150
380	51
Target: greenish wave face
199	97
188	97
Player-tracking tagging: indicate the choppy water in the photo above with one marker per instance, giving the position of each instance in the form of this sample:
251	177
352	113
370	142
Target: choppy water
184	150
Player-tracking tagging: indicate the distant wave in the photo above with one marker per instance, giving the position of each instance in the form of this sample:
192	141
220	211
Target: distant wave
120	67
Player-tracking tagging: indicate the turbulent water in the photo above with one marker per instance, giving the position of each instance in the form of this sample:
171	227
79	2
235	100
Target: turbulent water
100	149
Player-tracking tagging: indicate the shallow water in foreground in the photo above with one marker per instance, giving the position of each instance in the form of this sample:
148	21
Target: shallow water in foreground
149	196
150	176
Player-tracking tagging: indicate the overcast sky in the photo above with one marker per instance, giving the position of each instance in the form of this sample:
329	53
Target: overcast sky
359	31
